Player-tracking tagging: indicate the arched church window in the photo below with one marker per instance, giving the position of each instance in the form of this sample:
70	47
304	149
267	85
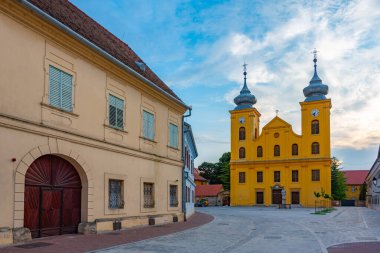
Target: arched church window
294	149
259	151
241	152
241	134
315	127
315	148
276	150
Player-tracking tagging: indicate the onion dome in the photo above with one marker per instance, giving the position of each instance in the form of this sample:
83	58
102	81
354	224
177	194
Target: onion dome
245	99
316	89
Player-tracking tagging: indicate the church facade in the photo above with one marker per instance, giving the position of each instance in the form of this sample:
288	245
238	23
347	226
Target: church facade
277	165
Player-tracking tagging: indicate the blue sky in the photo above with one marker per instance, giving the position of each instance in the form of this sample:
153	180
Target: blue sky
198	48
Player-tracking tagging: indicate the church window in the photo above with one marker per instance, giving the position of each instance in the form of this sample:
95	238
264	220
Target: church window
241	177
276	150
315	148
315	127
259	151
315	175
277	176
259	176
295	149
241	152
241	134
294	175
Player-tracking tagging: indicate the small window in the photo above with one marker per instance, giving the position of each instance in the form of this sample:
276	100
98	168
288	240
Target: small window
315	127
259	151
315	175
173	195
148	195
315	148
259	176
173	135
277	176
116	112
241	134
115	194
294	175
276	150
294	149
60	89
353	188
241	177
148	125
241	152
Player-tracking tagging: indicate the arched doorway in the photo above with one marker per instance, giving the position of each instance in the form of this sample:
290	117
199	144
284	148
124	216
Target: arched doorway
52	203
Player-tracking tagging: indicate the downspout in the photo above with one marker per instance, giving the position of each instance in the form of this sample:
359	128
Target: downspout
94	47
184	165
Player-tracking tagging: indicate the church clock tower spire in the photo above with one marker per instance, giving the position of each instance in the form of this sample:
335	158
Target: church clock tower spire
316	89
245	99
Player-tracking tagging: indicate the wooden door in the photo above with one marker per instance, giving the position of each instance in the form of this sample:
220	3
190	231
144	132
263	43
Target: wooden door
276	196
259	198
295	198
52	203
51	212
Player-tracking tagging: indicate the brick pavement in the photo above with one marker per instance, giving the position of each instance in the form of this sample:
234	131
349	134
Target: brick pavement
73	243
356	247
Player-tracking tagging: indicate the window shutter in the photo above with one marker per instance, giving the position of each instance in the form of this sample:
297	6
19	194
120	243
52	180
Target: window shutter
54	86
67	90
145	124
120	113
112	111
151	126
173	135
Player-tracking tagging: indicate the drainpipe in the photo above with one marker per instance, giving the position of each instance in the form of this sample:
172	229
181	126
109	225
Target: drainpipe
184	165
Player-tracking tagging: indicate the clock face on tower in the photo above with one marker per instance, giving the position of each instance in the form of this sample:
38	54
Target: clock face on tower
315	112
242	120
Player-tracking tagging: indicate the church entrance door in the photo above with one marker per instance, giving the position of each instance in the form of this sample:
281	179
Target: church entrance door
276	196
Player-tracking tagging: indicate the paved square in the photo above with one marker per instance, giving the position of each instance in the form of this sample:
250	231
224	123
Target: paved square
249	229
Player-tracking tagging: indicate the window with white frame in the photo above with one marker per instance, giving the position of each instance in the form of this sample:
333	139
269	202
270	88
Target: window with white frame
115	194
116	112
60	89
148	125
173	196
148	195
173	135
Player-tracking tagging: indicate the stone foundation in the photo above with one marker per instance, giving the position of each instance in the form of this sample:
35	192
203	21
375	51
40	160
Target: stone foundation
6	236
107	225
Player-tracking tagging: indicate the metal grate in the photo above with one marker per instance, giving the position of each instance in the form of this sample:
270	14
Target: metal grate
34	245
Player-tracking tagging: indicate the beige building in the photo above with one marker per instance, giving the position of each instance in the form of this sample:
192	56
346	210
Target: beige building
90	137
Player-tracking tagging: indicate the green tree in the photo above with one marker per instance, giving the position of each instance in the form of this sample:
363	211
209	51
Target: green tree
224	170
363	191
210	171
338	181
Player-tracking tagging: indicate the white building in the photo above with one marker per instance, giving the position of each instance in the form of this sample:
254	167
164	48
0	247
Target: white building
373	184
190	153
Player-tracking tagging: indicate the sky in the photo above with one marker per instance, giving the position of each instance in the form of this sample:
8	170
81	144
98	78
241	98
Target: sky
198	48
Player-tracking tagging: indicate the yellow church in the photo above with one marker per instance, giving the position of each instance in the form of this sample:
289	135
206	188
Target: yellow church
278	166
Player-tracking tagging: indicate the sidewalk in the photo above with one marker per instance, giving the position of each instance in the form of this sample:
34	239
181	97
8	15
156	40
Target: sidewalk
73	243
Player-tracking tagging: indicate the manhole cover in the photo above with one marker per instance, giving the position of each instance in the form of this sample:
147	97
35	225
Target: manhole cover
272	237
33	245
366	238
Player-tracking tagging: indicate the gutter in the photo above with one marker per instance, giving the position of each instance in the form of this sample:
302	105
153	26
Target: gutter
184	164
106	55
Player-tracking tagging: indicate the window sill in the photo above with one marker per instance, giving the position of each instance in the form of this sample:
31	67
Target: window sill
147	139
175	148
115	128
59	110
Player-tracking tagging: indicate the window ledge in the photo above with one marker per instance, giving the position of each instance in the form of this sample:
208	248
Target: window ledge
175	148
115	128
147	139
59	110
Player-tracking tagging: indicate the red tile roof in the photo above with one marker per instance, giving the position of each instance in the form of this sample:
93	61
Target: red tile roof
197	176
208	190
355	176
72	17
